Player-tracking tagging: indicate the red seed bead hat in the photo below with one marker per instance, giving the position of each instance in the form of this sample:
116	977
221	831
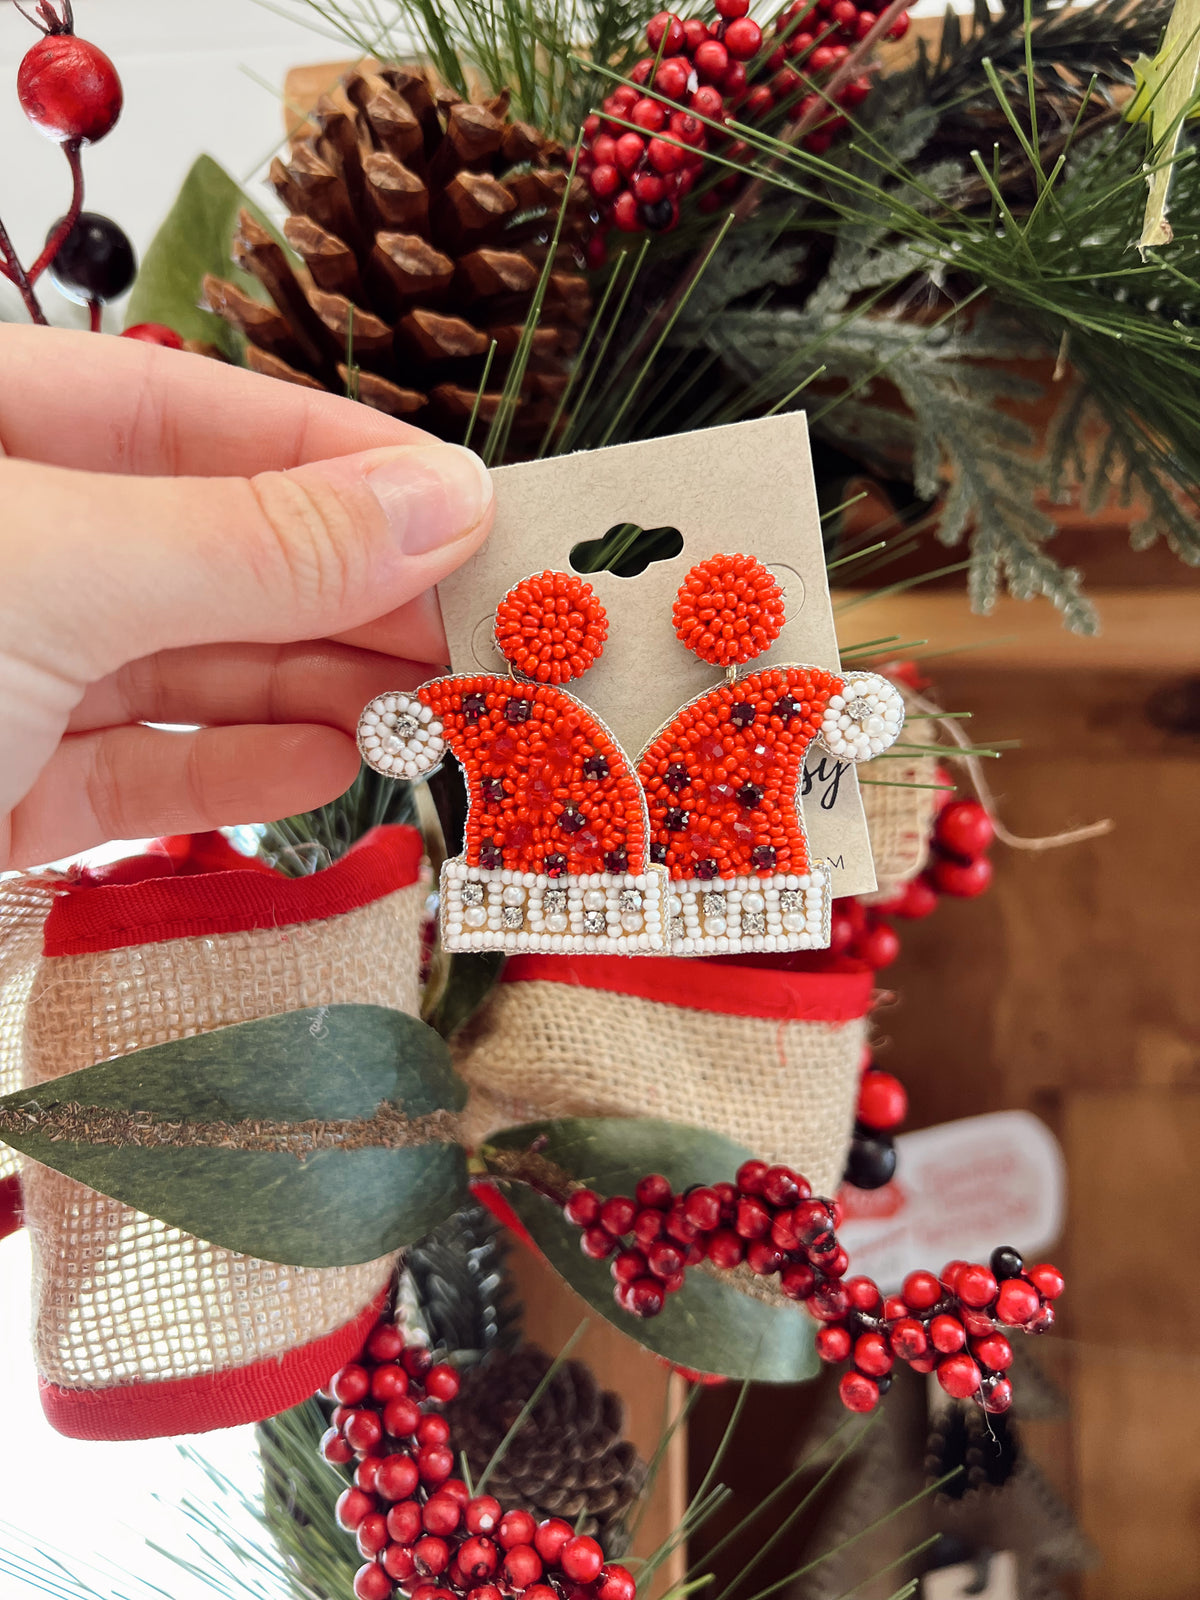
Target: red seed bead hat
729	609
551	627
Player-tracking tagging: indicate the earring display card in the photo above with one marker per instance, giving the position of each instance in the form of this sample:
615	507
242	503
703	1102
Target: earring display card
745	489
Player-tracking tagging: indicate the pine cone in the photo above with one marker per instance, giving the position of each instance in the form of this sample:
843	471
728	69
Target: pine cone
569	1458
423	223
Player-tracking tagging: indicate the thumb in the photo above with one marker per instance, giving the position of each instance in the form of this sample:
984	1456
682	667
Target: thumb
97	569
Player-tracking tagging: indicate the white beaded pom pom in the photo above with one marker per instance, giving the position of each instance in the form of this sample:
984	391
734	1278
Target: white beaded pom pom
865	719
400	737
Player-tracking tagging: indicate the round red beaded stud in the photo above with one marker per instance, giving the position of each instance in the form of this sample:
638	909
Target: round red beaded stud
729	609
551	627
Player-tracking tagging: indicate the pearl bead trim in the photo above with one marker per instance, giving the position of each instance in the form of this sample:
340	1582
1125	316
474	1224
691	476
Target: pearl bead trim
602	913
864	719
400	737
734	916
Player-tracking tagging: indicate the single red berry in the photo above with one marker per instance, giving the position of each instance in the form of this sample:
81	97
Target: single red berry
947	1334
963	880
631	149
763	1257
702	1207
664	32
435	1463
478	1557
1017	1302
858	1392
923	1364
372	1583
647	1225
976	1287
642	70
396	1477
828	1302
388	1382
417	1360
441	1382
836	1265
625	213
441	1514
948	1277
679	1226
649	114
909	1339
583	1205
878	946
864	1294
894	1307
672	77
743	39
760	102
733	84
644	1297
958	1376
866	21
522	1566
617	1214
964	829
899	27
833	1343
515	1528
921	1290
853	94
581	1559
366	1472
872	1355
404	1522
350	1384
597	1242
616	1582
993	1351
550	1537
882	1101
654	1191
397	1561
1047	1280
665	1259
628	1265
823	58
1041	1321
797	1281
540	1591
712	61
69	89
920	899
372	1534
664	156
334	1448
707	102
482	1514
725	1249
780	1187
351	1507
154	333
363	1430
402	1417
750	1175
997	1395
977	1323
433	1430
386	1342
457	1489
432	1555
753	1219
730	10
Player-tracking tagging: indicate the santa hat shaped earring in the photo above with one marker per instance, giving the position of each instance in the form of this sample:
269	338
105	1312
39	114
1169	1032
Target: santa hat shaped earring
556	853
722	778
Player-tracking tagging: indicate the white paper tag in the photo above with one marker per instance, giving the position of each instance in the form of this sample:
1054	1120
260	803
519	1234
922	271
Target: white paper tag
962	1581
961	1189
744	489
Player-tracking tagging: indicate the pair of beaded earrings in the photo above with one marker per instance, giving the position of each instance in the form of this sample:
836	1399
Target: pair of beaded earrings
696	848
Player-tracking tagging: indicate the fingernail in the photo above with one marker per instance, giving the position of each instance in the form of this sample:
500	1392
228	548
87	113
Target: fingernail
431	494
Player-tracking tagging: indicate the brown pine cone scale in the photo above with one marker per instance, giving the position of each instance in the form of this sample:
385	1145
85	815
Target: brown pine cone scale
420	225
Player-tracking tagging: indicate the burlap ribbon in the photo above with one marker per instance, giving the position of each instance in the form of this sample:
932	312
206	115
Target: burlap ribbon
141	1329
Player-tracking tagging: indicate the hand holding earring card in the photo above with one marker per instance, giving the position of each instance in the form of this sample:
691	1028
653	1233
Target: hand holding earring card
697	845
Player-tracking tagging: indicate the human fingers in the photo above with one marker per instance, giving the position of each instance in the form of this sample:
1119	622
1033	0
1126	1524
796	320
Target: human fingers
94	564
126	783
118	405
220	685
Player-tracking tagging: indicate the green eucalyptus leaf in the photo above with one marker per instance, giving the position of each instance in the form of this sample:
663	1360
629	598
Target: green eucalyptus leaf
195	237
711	1324
317	1138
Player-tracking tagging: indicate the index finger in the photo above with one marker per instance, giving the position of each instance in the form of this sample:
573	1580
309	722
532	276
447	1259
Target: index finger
119	405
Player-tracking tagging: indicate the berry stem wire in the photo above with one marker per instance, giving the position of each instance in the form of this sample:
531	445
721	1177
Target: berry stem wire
58	238
12	269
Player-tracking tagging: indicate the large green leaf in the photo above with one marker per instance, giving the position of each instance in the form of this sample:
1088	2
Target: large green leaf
710	1324
196	237
296	1151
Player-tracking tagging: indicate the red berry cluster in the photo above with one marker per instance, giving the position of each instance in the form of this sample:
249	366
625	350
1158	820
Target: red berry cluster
769	1222
643	153
420	1529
